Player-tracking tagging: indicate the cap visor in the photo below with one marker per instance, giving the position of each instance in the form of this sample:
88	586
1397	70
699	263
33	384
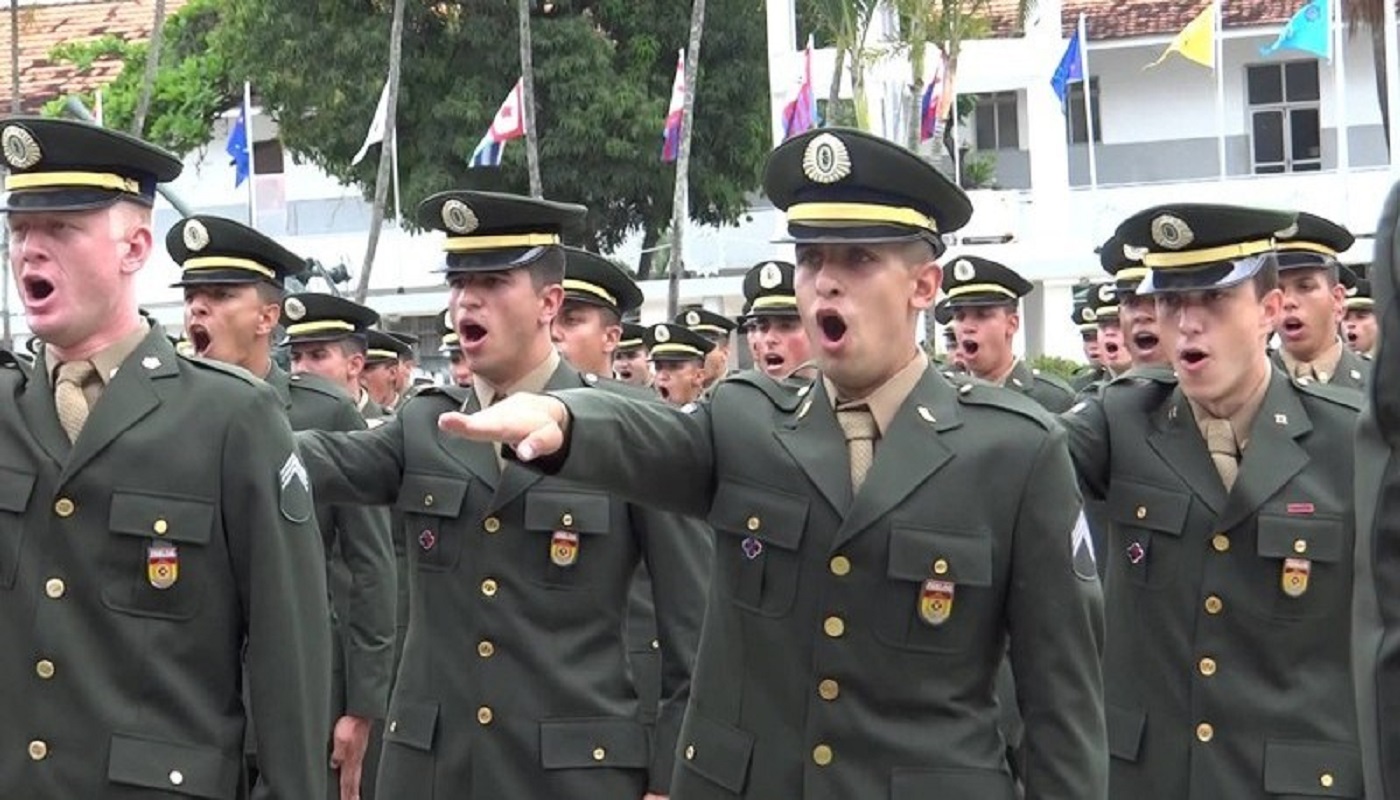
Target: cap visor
66	200
221	277
493	260
1219	275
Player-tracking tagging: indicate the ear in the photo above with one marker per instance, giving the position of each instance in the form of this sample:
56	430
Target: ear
1339	302
611	336
551	302
268	317
1272	305
1013	323
926	279
136	248
355	365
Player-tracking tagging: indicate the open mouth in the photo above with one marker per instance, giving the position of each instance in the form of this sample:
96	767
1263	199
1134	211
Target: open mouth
1110	349
1146	340
832	326
664	392
970	348
200	338
1192	356
470	332
773	360
1292	326
38	289
1352	337
625	373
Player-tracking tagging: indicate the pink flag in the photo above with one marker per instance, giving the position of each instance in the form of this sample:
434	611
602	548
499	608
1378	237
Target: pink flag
671	136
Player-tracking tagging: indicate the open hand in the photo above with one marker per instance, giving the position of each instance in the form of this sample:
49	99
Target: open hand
533	424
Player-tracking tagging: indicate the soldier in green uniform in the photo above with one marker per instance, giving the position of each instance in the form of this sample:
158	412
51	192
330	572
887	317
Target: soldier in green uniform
985	298
858	615
452	348
631	363
781	349
233	285
514	681
1082	315
1113	347
679	359
327	337
1148	341
136	570
384	351
718	329
408	363
1359	323
1313	287
1228	575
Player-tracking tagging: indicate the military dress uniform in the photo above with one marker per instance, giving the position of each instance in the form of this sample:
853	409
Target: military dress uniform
1087	324
514	680
1227	637
135	568
1313	242
853	635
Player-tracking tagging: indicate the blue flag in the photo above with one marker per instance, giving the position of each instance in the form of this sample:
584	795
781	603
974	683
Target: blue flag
1070	70
1309	30
238	149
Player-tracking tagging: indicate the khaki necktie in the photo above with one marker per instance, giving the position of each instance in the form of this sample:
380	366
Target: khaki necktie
859	426
68	397
1224	451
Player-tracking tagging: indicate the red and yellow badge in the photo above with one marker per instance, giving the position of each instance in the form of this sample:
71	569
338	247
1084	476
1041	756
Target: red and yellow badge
563	549
936	602
1295	576
162	564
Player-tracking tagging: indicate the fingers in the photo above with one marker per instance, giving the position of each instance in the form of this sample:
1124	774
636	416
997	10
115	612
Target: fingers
350	782
541	442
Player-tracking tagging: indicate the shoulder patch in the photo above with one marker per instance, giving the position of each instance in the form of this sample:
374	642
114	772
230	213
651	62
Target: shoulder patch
317	384
456	394
1051	379
785	395
973	392
219	366
1346	397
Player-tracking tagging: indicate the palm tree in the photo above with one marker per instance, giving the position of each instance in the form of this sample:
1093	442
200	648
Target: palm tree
849	24
148	78
680	201
527	77
1369	16
386	154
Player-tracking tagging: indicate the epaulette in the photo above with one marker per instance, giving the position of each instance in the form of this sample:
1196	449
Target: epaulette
457	394
784	395
315	383
224	367
14	361
975	392
1346	397
1052	380
1143	376
613	386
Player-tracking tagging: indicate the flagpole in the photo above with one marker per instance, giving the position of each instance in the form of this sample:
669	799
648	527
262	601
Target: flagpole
1219	25
1088	104
394	165
1392	68
252	166
1339	73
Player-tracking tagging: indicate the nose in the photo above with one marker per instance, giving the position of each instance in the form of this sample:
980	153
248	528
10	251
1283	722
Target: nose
825	282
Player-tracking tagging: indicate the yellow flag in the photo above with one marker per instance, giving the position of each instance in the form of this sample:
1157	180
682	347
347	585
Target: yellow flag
1196	42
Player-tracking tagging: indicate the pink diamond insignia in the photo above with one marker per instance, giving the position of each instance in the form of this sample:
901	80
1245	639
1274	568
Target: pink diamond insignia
427	539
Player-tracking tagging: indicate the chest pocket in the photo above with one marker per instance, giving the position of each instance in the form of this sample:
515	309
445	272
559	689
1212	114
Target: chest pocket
15	491
1145	543
565	525
432	509
938	594
1303	569
759	532
157	561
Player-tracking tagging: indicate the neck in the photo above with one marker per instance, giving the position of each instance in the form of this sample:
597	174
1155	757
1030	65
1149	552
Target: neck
1249	389
867	388
99	341
258	360
509	376
998	374
1309	352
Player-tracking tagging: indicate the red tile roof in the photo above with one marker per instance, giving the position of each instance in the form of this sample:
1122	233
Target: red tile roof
1124	19
42	27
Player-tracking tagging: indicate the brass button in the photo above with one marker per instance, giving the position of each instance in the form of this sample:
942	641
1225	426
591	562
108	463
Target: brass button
160	527
940	567
489	587
834	627
38	750
821	755
44	669
1326	780
1141	512
754	523
485	649
1207	666
64	507
829	689
1214	605
656	644
176	777
690	752
1300	546
491	524
840	565
1220	542
428	500
484	715
54	588
1205	732
393	726
599	754
567	520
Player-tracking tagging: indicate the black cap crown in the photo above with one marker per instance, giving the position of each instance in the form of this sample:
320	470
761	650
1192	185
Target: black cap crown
213	250
1193	246
705	322
590	278
975	281
383	346
633	336
451	340
673	342
492	232
769	291
315	317
64	165
1312	242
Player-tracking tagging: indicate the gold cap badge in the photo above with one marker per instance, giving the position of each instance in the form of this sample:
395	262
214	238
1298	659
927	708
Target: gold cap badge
458	217
295	309
1172	232
21	148
826	159
770	276
196	236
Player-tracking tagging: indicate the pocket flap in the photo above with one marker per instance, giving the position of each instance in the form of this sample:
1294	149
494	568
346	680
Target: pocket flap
1312	769
601	742
952	784
433	495
1143	506
412	725
774	517
1124	732
176	768
179	519
15	489
1290	537
917	554
717	752
574	510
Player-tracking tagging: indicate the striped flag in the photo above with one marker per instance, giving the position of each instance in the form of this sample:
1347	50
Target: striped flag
671	135
935	103
508	124
800	115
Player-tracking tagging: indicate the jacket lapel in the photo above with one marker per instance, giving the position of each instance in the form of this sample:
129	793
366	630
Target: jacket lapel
477	458
906	455
1177	441
36	406
1020	378
815	441
515	479
1273	455
126	400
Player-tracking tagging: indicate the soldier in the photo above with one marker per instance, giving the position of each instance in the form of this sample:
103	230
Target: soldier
856	623
1313	295
233	283
135	569
679	359
1113	348
780	346
408	364
1084	320
452	348
631	363
514	680
1149	343
383	353
1227	577
984	297
327	337
1359	324
717	329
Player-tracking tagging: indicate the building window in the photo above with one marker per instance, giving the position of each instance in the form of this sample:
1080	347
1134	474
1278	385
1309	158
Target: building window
995	122
1074	112
1285	118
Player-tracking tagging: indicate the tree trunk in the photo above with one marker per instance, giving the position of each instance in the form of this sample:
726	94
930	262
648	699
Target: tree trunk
833	97
527	76
680	202
148	78
1382	84
15	106
650	236
15	103
386	152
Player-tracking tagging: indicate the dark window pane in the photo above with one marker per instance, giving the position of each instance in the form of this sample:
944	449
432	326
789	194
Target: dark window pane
986	123
1272	169
1301	80
1310	166
1307	137
1268	137
1265	85
1008	137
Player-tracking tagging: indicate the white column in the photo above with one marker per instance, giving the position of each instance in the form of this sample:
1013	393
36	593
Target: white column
782	41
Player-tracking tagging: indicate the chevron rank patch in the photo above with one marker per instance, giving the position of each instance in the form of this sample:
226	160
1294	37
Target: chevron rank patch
295	496
1086	566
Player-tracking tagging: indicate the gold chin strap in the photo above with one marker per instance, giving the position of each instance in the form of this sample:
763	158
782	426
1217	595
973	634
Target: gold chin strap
575	285
861	212
1210	255
72	180
683	349
775	301
981	288
472	244
221	262
1310	247
301	328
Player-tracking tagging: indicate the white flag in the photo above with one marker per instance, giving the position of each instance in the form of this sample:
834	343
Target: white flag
375	135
